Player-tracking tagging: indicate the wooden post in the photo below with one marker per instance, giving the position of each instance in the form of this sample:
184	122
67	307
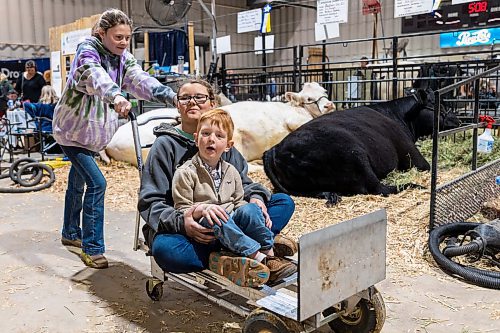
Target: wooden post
146	49
191	46
375	45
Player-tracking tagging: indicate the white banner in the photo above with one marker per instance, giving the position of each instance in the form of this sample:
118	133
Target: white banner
456	2
55	68
70	40
249	20
331	11
411	7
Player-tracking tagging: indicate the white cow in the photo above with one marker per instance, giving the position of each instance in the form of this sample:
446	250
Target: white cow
121	147
258	125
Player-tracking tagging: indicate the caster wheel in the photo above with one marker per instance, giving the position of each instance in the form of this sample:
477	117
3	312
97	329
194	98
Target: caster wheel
154	289
261	321
367	317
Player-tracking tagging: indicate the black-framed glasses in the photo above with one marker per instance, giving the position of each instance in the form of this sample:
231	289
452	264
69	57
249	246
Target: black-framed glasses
198	99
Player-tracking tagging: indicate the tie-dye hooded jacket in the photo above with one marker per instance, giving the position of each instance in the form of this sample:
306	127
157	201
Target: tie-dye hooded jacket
83	117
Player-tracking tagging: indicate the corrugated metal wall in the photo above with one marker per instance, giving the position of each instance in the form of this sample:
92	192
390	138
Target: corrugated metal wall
24	27
294	25
25	23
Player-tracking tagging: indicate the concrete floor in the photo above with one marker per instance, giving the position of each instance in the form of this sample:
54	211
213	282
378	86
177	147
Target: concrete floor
46	288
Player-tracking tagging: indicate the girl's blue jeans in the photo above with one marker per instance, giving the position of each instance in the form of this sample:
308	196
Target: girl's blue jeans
245	231
177	253
84	219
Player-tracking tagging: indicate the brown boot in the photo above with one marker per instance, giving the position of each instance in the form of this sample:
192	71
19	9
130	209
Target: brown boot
71	242
279	268
284	246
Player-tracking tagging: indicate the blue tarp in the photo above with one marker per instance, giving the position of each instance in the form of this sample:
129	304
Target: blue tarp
166	47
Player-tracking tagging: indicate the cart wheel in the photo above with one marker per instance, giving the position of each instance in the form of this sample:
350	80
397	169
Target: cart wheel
261	321
154	289
367	317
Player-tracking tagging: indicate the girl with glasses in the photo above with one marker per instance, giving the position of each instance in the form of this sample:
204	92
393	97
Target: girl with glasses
178	243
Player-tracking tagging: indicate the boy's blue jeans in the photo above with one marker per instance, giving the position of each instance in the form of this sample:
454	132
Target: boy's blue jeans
177	253
84	171
245	231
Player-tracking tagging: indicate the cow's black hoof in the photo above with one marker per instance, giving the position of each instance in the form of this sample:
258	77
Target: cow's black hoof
386	190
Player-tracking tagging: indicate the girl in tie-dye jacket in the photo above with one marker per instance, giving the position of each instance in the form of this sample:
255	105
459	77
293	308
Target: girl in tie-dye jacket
84	123
83	117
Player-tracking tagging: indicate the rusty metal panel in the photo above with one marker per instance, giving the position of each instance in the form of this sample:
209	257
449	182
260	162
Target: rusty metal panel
339	261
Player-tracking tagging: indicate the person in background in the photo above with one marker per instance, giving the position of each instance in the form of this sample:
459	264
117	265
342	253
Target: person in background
84	123
47	77
178	243
43	113
30	83
13	100
5	87
365	74
363	64
45	108
213	188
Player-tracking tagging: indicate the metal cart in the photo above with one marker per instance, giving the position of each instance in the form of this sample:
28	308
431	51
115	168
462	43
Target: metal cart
337	269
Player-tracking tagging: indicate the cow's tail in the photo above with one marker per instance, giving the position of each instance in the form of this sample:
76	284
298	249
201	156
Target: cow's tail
269	168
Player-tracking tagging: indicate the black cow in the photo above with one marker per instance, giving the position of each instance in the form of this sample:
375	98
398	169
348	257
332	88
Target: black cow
349	152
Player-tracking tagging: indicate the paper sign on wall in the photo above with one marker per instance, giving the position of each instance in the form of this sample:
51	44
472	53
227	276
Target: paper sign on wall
326	31
223	44
411	7
331	11
55	67
269	44
249	20
70	40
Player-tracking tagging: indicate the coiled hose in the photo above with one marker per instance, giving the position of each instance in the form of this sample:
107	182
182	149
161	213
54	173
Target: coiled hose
483	278
461	250
27	166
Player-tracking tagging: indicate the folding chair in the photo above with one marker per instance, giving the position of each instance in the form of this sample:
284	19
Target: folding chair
47	143
43	128
21	130
5	145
